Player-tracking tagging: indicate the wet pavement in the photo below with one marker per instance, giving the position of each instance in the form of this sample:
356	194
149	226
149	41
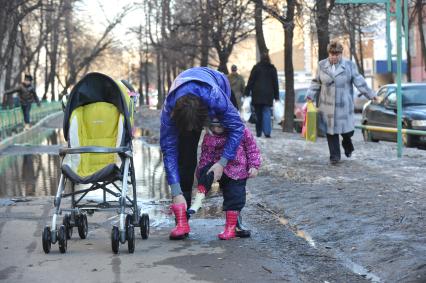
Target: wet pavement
309	222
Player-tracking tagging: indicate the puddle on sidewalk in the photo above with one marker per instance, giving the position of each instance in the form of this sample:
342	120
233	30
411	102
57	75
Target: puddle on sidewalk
24	171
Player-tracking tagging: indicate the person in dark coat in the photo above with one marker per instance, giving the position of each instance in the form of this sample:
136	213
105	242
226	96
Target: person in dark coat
263	88
27	95
237	85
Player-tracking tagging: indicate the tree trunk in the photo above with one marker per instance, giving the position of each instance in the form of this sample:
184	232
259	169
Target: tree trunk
9	71
53	62
163	76
361	54
146	79
288	125
260	39
46	71
223	61
147	31
141	96
419	8
205	42
409	79
159	84
72	70
322	15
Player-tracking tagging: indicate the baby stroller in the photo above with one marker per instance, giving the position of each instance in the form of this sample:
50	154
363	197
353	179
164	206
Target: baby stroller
98	128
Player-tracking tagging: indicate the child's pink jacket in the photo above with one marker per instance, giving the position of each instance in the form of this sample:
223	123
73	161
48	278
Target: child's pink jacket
248	154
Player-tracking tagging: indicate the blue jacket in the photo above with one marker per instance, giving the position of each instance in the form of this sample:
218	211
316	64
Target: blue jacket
214	90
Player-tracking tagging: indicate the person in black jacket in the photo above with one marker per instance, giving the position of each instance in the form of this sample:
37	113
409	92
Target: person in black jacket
27	95
263	88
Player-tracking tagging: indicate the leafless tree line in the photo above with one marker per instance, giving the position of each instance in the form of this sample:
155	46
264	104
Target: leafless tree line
187	33
46	39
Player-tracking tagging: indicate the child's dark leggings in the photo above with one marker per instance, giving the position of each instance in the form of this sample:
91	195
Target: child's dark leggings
234	191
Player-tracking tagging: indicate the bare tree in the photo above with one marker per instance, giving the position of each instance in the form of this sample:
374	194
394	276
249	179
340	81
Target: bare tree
351	20
12	13
418	10
260	38
321	10
83	48
287	18
230	24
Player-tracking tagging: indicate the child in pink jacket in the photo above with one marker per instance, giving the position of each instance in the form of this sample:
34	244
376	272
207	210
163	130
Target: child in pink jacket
235	174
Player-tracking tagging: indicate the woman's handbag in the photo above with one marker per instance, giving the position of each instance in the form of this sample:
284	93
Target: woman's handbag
310	125
253	117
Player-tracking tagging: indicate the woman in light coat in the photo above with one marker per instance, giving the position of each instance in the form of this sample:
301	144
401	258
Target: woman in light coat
334	85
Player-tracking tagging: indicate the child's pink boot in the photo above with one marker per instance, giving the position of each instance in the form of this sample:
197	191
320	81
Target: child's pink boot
231	223
182	227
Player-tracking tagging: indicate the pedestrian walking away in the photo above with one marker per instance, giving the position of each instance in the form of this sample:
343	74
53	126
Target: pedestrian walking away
195	95
233	182
333	84
263	87
237	84
27	95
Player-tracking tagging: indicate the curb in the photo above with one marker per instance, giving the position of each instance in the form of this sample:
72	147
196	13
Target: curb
10	140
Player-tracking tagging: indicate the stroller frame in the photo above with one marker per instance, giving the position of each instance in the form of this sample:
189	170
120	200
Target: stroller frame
77	216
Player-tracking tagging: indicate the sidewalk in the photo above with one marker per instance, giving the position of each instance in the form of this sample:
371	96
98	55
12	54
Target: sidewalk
368	211
360	221
23	136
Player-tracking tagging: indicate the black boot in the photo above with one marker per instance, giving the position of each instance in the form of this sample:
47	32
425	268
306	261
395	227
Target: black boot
347	143
240	230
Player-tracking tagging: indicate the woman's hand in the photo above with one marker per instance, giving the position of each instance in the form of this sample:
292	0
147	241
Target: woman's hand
253	172
217	170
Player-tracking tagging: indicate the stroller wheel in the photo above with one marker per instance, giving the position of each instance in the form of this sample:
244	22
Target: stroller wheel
144	224
62	239
128	220
67	223
45	238
115	239
130	234
83	227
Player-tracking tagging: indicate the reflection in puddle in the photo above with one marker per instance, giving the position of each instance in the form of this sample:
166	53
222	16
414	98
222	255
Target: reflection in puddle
38	174
28	175
38	137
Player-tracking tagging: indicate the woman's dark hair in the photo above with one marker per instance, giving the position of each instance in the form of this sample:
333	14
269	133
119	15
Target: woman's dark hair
189	113
335	47
264	57
28	77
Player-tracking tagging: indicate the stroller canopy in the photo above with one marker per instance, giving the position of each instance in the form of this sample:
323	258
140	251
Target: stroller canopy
97	87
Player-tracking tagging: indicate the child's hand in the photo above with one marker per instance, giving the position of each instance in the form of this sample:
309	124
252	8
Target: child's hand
217	170
253	172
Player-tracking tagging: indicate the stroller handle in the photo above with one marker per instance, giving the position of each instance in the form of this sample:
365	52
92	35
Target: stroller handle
96	149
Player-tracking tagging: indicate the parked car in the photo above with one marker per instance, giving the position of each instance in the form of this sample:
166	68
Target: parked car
299	101
359	101
383	113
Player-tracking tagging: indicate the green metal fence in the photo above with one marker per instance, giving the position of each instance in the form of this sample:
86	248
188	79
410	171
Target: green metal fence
12	120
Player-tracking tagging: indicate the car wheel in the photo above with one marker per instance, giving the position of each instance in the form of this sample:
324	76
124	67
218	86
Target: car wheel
298	127
407	140
366	134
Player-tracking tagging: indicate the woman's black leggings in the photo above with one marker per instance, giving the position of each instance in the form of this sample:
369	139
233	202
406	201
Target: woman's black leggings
187	161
